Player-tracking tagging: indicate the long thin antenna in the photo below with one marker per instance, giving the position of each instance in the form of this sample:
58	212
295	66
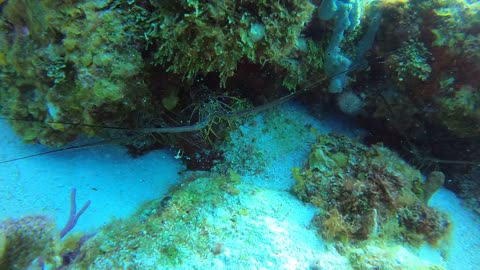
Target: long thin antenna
179	129
63	123
74	147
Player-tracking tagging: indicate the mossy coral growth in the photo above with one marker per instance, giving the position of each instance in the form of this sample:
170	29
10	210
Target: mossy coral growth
166	232
68	62
366	192
215	36
69	66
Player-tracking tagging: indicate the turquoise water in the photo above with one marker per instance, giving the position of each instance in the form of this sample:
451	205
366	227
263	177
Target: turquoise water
239	134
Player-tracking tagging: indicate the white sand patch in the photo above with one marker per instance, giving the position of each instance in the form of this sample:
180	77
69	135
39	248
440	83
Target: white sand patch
115	183
463	253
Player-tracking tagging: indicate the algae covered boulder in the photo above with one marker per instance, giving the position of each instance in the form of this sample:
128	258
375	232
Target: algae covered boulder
75	62
367	192
216	36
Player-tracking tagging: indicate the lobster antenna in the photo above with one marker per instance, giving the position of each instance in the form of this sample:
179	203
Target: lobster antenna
180	129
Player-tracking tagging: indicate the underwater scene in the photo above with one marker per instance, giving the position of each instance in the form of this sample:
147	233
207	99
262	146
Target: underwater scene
247	134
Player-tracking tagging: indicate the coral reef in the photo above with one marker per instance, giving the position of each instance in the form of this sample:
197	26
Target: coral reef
211	221
76	62
422	97
408	68
456	27
70	68
215	36
459	111
367	192
25	240
410	62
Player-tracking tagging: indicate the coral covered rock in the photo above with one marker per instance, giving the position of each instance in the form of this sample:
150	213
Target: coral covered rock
77	62
215	36
366	192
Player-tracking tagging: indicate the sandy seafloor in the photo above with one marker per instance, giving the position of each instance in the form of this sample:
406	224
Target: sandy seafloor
117	184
